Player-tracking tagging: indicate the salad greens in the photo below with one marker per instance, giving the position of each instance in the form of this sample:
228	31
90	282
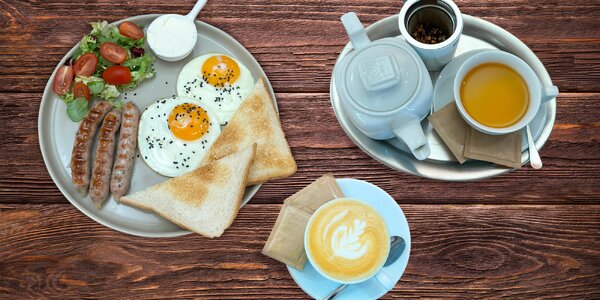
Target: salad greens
139	64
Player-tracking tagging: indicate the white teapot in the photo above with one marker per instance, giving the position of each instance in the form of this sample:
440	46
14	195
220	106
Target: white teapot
384	87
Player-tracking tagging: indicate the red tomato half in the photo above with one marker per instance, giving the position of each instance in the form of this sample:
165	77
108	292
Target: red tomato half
113	53
80	90
62	80
131	30
86	65
117	75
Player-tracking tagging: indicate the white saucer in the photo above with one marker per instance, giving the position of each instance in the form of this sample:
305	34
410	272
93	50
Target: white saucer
318	286
443	93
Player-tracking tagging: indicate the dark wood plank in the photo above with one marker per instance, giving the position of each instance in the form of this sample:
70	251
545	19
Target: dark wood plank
475	251
571	158
296	44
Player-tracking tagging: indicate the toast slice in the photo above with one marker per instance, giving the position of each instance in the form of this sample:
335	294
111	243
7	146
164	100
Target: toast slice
256	121
205	200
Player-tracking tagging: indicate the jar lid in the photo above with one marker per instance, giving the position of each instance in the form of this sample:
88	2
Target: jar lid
382	76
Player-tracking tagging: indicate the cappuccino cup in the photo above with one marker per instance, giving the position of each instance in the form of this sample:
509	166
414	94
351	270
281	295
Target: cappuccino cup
347	241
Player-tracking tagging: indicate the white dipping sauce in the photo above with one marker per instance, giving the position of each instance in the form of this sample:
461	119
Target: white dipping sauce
172	37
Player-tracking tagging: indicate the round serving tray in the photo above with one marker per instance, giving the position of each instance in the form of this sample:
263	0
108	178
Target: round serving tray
477	34
57	132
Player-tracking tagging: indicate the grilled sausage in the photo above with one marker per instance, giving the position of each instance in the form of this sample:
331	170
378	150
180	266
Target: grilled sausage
121	173
103	162
80	157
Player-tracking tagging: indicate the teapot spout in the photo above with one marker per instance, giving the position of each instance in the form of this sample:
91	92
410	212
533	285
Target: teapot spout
411	133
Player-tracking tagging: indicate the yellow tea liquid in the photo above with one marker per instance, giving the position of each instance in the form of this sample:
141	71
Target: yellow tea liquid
494	95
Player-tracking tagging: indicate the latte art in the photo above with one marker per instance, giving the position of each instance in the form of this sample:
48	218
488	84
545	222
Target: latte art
348	240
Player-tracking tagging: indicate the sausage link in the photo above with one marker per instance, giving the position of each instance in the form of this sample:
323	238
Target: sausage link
121	173
80	157
103	162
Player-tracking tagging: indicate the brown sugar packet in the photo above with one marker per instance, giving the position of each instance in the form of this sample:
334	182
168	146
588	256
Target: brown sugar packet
451	127
286	241
500	149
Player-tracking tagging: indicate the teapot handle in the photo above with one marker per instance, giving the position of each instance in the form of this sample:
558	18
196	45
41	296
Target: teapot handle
411	133
355	30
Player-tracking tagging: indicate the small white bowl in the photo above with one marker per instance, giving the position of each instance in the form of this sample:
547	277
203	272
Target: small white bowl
172	37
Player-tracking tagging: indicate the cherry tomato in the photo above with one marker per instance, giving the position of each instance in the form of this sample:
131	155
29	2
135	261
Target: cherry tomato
131	30
62	80
113	53
80	90
117	75
86	65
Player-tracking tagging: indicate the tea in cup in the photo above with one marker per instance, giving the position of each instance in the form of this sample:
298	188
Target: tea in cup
498	93
347	241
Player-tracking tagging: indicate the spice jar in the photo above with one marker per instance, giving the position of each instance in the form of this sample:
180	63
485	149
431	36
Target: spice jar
433	28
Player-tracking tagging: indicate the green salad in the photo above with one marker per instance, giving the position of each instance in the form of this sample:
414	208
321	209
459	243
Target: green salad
109	60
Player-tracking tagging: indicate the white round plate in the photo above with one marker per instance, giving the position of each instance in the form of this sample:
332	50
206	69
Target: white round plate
318	286
57	132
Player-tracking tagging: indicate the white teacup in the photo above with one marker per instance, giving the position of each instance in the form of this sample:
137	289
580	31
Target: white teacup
347	241
538	94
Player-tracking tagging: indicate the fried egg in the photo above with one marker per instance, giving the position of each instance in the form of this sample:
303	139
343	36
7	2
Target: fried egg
217	81
175	134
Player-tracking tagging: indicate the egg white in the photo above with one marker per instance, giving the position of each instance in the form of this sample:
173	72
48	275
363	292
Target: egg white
223	101
165	153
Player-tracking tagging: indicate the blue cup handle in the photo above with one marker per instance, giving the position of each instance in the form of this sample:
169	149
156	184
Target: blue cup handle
384	280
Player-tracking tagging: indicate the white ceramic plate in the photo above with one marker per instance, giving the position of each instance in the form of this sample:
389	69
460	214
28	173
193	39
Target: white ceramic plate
318	286
56	134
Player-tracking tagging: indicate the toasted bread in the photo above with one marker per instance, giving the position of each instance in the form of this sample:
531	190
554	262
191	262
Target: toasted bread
256	121
205	200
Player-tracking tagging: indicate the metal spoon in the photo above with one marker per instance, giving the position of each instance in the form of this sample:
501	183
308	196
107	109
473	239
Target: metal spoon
534	156
397	245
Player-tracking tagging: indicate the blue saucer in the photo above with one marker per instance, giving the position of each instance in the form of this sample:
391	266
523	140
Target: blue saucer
318	286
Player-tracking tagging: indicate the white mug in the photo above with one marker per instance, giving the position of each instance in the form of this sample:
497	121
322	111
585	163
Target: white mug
380	276
538	94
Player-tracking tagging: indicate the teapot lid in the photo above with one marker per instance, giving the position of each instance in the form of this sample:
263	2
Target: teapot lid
379	76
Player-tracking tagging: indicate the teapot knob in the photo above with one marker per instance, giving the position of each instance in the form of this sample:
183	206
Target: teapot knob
355	30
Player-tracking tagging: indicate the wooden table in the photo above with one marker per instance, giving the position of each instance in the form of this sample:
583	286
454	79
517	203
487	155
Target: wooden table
525	234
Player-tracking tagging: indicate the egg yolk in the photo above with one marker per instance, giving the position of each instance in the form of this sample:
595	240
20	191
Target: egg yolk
219	70
188	122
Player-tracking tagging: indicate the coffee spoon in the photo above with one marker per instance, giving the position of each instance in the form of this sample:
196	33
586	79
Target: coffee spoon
534	156
397	245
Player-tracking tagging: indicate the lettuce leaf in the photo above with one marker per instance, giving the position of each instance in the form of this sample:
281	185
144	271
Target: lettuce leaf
142	66
77	109
68	97
100	28
109	92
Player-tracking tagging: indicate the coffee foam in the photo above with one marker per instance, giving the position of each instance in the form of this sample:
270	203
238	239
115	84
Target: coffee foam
348	240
